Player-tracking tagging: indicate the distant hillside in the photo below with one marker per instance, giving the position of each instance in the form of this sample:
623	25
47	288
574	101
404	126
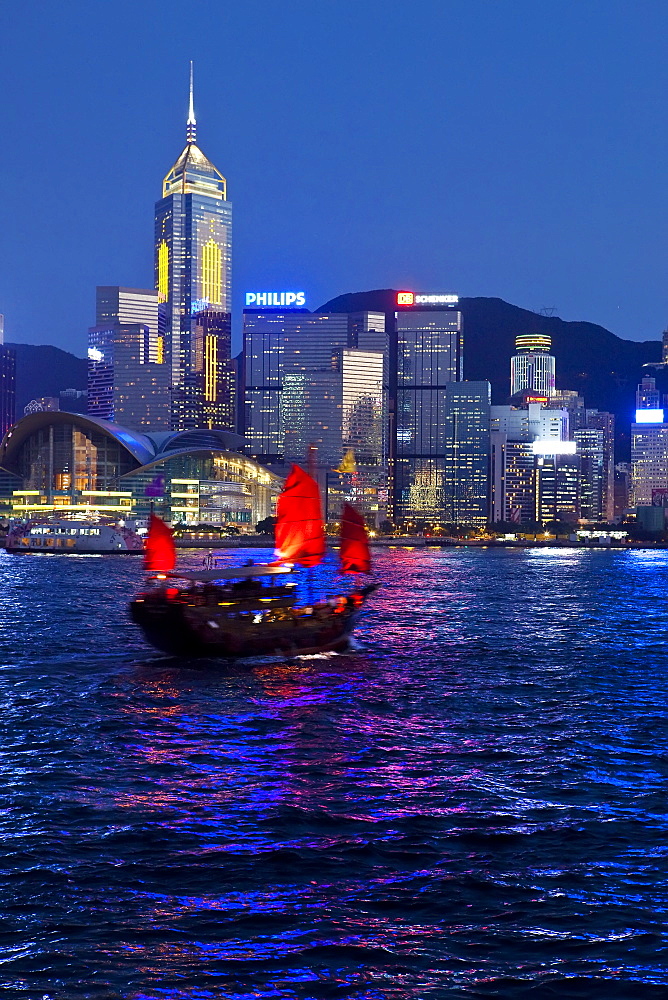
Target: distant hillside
42	370
602	367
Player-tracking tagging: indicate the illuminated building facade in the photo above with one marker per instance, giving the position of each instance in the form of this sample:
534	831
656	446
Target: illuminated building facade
206	396
649	445
193	276
512	485
590	443
533	464
128	382
78	465
7	382
450	484
428	357
557	487
530	423
573	403
532	367
315	388
467	443
604	422
118	306
122	384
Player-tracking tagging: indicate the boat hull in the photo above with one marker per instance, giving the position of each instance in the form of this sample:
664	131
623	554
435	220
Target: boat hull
73	538
181	629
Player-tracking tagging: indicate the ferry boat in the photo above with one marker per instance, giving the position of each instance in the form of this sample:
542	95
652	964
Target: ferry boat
74	537
232	613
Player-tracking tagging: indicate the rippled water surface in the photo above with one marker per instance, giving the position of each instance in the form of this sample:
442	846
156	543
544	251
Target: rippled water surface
471	804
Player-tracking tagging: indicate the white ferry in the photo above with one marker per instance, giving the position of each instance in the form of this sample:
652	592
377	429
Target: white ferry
75	537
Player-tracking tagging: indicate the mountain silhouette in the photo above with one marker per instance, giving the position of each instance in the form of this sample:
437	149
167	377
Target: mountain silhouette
43	370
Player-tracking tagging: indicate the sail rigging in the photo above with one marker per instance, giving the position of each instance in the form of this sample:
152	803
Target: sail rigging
354	553
300	537
159	548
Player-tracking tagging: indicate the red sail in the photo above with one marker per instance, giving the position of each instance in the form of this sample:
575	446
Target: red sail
300	537
354	553
159	550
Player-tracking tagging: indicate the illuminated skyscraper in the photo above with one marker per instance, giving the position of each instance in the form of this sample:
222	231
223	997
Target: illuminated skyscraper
512	479
591	449
128	383
605	422
532	367
649	445
429	358
467	443
122	386
117	305
193	256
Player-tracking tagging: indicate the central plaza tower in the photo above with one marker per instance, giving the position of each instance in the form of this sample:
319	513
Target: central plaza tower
193	264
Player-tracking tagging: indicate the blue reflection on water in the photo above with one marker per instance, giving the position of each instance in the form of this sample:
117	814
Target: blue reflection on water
470	804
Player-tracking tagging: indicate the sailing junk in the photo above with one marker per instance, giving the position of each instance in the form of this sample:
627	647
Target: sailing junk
230	613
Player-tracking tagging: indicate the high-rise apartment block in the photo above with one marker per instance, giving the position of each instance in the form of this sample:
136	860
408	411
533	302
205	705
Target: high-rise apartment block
193	277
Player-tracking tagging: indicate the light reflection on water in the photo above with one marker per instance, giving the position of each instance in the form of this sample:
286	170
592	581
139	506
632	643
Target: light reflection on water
472	803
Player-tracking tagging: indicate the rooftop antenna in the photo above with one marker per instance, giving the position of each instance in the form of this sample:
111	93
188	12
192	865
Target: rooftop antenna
191	124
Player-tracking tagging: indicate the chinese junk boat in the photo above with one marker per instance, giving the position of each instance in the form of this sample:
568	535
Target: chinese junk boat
232	613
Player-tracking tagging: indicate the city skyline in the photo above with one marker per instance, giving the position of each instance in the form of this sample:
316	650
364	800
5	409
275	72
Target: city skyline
294	159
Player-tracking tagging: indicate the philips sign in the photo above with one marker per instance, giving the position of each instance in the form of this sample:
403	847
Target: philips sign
288	300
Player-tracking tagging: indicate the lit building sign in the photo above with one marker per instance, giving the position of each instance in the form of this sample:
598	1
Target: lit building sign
536	399
289	300
198	306
649	416
94	354
533	342
411	299
553	446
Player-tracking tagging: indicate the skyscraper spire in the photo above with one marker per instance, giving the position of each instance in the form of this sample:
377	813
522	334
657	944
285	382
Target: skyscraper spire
191	124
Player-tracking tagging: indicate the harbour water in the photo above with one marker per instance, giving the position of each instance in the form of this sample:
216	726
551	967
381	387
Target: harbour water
470	804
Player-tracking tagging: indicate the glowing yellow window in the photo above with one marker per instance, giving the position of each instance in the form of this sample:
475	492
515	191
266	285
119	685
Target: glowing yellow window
163	271
211	272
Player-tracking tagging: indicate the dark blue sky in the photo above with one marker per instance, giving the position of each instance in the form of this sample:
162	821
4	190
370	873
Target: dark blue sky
513	148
